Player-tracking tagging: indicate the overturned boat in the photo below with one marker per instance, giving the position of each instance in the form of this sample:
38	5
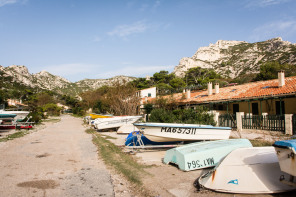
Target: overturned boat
203	154
114	122
285	151
168	132
286	154
253	170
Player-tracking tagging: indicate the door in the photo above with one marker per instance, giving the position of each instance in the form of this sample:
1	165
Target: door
255	109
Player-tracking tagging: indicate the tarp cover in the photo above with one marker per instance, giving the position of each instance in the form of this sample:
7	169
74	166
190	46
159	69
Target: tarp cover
286	143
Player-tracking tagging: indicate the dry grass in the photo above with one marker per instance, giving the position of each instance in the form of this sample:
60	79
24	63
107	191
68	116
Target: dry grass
122	162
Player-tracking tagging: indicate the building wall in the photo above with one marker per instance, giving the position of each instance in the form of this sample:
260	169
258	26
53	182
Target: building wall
146	92
268	106
290	105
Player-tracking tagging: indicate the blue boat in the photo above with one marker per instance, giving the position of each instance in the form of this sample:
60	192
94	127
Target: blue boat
203	154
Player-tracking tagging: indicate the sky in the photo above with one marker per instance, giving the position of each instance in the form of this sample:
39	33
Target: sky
99	39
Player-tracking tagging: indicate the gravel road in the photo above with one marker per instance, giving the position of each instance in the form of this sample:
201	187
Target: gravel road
58	160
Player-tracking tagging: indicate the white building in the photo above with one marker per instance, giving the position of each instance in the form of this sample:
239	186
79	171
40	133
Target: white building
149	92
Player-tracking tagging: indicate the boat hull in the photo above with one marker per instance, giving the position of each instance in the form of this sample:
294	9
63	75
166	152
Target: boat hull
4	127
286	155
126	129
95	116
247	170
20	115
114	122
160	132
203	154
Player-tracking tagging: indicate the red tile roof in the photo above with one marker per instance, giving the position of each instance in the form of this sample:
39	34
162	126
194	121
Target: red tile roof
259	89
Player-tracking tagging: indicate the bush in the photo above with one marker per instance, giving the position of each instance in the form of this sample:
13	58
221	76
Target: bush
78	111
35	116
162	115
185	116
51	109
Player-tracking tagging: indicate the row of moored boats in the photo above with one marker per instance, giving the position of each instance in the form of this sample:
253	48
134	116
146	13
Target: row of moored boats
235	165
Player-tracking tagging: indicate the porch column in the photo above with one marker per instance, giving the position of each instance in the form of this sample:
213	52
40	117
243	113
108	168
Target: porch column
261	107
264	120
216	117
281	112
288	124
239	121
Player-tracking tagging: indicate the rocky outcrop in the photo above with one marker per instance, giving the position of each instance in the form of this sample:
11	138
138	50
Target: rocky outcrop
48	81
234	58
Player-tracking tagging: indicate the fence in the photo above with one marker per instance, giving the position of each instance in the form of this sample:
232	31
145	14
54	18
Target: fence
267	122
227	120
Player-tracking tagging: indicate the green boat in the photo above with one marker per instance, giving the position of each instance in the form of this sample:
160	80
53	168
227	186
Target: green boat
203	154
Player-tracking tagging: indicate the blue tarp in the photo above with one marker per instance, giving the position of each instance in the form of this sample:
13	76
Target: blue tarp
286	143
132	140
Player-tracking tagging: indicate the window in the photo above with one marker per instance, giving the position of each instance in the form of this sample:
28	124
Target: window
149	94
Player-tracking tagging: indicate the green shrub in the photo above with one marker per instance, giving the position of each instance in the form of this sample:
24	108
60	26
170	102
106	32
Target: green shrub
185	116
51	109
162	115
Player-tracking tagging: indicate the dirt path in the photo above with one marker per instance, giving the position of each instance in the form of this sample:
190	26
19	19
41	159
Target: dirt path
59	160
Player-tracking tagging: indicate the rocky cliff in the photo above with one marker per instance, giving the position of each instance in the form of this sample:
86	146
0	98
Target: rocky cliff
235	58
45	80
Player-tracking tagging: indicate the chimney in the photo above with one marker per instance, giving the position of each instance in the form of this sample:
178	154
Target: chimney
281	78
188	94
210	88
216	88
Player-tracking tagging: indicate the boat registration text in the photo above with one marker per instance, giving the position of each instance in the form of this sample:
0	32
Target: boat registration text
200	164
189	131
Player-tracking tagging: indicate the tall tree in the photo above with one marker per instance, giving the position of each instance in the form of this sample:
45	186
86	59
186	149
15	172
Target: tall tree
269	70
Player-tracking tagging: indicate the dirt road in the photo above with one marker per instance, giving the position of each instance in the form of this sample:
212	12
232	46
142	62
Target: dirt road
59	160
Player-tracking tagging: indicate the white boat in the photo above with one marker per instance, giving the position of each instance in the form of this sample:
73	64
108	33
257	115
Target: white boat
286	154
20	115
114	122
126	129
170	132
253	170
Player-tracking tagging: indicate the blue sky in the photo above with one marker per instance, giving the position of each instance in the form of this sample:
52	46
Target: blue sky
99	39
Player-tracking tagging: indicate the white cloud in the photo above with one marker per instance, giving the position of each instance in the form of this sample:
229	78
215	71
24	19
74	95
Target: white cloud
7	2
274	29
126	30
135	71
264	3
